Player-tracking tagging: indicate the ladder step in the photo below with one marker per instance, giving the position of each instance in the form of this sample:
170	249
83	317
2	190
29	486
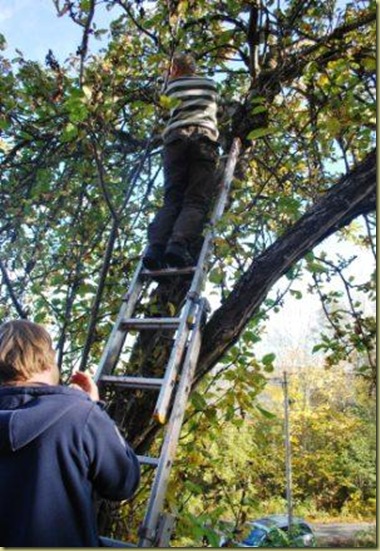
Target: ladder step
169	272
144	383
150	323
147	460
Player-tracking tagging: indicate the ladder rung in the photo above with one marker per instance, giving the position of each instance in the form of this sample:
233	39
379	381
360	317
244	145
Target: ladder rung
168	272
147	460
152	383
150	323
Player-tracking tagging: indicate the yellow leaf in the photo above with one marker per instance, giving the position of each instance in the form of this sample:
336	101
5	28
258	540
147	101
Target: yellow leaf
171	309
369	63
323	80
168	103
87	90
333	126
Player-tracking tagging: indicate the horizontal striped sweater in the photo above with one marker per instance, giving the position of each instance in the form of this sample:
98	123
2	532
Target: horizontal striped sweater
196	103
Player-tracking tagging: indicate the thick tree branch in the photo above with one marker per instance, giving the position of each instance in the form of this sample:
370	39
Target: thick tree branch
353	195
253	39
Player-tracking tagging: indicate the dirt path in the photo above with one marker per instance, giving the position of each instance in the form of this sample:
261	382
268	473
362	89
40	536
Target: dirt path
338	532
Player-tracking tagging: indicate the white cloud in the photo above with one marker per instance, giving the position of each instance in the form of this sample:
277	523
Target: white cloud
6	14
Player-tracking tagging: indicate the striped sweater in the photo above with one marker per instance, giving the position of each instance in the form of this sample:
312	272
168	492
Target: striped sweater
196	103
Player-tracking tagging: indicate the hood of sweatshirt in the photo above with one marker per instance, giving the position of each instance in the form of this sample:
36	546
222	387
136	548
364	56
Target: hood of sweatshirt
27	411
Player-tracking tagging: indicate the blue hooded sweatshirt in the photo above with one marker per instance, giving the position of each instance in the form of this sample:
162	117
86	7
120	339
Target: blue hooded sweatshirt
57	449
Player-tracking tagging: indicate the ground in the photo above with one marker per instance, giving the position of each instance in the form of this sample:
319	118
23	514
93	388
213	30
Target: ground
339	534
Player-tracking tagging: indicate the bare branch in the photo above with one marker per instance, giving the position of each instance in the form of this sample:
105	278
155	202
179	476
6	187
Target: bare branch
8	283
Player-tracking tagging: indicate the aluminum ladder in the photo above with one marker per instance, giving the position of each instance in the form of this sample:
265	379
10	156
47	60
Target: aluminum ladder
175	386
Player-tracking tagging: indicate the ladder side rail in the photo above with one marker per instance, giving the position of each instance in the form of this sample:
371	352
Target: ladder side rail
226	180
117	337
171	439
172	367
218	210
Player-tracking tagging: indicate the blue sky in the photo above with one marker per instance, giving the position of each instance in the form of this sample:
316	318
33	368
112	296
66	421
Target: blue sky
34	27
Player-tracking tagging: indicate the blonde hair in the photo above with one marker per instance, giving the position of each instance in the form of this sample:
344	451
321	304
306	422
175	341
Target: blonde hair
185	63
26	348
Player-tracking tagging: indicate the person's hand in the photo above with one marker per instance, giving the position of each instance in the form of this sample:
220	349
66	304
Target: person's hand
82	380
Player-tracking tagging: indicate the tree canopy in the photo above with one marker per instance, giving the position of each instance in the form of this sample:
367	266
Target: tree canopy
81	169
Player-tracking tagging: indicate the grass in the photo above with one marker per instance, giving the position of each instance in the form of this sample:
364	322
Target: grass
364	539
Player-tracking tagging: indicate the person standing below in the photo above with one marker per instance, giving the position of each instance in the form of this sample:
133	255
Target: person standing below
58	448
190	161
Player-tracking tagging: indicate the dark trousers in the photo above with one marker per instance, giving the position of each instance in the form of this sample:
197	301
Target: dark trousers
190	167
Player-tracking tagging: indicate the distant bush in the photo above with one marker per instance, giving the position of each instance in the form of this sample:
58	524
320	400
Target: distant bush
358	507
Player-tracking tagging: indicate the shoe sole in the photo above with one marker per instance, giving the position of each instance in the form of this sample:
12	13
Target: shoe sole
152	264
176	261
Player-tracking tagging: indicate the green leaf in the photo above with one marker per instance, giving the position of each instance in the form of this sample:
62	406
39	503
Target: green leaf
4	124
216	276
258	99
268	358
258	109
266	413
3	42
316	268
198	401
260	133
250	337
69	133
85	5
318	347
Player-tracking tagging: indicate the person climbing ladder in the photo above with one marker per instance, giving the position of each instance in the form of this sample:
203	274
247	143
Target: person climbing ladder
190	160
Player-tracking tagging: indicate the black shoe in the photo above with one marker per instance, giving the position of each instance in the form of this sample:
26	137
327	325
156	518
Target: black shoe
154	257
177	256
